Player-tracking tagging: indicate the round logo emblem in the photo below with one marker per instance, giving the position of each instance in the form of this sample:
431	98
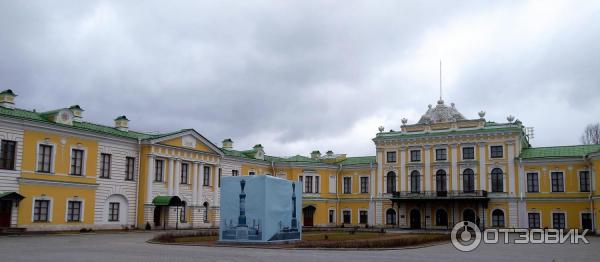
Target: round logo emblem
465	236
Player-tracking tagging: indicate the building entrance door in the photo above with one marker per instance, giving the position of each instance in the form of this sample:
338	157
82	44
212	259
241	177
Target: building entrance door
415	218
5	212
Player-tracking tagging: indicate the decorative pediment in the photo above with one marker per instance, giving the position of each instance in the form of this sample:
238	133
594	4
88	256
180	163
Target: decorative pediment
190	139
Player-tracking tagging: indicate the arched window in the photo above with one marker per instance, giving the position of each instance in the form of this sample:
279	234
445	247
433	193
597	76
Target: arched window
498	218
441	217
440	181
205	212
468	181
391	182
390	217
497	180
415	182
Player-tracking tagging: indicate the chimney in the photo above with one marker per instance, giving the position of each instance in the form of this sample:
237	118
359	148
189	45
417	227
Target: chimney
315	154
7	99
228	144
329	153
121	123
76	110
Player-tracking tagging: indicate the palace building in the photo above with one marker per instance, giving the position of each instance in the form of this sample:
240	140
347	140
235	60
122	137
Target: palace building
61	172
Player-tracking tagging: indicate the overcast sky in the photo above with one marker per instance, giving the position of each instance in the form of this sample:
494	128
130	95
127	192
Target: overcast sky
302	75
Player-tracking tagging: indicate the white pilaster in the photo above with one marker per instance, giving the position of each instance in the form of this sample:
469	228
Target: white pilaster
380	172
482	169
454	152
177	177
149	179
194	172
402	176
427	176
511	168
171	181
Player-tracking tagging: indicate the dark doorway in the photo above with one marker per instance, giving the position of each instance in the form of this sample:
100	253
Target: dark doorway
157	213
415	218
5	212
469	215
308	213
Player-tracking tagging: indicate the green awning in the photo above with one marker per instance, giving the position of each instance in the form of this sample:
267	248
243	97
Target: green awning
11	196
167	201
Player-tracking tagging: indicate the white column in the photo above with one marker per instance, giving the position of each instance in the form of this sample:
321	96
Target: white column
149	178
511	168
177	177
200	183
194	172
427	175
453	150
216	184
482	168
402	175
170	181
379	171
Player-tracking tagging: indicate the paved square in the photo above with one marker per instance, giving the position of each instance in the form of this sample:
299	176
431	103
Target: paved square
132	247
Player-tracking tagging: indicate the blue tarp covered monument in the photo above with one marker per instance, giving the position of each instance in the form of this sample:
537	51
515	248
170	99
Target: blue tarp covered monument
260	209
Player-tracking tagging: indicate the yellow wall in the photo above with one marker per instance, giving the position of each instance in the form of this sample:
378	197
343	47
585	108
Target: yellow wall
59	196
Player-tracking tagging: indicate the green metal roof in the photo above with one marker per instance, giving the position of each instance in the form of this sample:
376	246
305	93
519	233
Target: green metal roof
8	92
22	114
167	201
488	128
558	151
11	196
360	160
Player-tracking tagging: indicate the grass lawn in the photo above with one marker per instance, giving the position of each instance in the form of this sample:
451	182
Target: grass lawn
321	239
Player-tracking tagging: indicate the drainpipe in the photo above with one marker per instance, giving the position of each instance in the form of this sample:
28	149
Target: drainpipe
371	193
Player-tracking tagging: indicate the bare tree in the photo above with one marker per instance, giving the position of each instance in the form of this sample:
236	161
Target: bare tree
591	134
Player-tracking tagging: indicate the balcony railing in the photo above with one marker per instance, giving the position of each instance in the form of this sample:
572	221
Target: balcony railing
457	194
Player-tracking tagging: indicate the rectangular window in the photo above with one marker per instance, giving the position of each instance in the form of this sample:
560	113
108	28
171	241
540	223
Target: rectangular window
332	184
74	211
534	220
331	216
586	221
206	176
113	211
219	176
496	152
468	153
184	173
557	182
364	184
159	170
415	155
251	173
558	220
129	168
532	183
41	210
76	162
308	185
391	157
584	181
235	173
346	217
441	154
105	165
8	150
347	185
45	158
363	217
317	184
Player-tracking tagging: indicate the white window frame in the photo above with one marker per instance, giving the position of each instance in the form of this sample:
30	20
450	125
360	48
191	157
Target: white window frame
50	208
342	216
360	184
581	219
351	184
504	153
395	156
563	180
435	154
474	153
579	179
538	181
536	212
358	216
84	159
52	157
82	209
492	217
164	170
558	212
334	216
332	186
